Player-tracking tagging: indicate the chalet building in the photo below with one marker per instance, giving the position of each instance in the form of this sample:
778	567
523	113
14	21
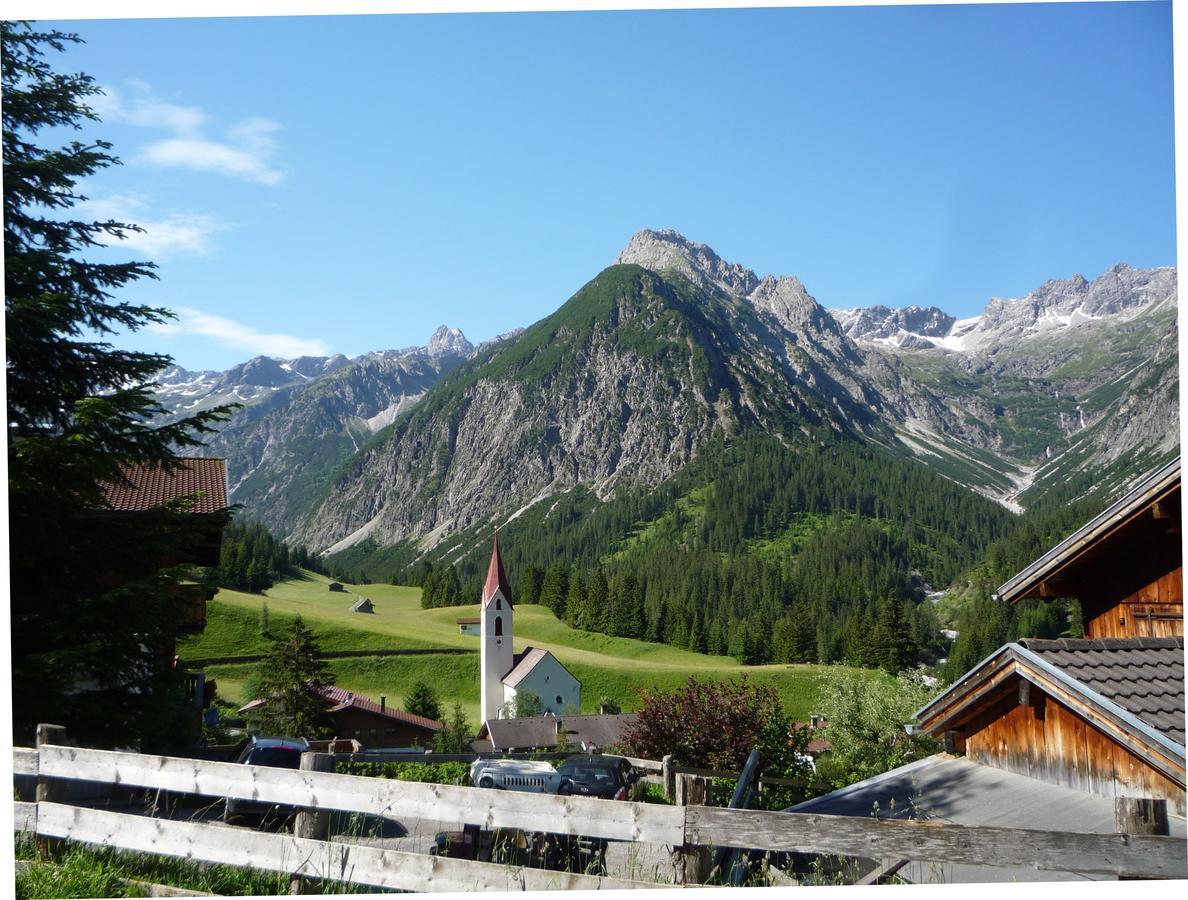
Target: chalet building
362	605
1045	734
373	725
198	487
504	673
471	626
1125	566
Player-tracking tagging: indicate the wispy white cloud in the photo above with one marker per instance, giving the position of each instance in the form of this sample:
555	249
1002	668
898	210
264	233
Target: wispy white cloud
246	149
176	232
147	111
211	156
236	335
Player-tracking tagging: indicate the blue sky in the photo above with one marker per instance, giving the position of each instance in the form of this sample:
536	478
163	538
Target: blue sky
345	184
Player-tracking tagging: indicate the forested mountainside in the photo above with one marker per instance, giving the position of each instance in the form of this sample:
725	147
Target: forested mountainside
725	455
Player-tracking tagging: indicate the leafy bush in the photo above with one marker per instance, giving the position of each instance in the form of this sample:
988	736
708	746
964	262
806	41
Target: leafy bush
429	773
867	718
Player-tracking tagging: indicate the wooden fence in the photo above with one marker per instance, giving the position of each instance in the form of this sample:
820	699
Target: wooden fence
683	828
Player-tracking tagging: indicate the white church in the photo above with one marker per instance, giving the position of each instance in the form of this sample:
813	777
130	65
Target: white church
504	672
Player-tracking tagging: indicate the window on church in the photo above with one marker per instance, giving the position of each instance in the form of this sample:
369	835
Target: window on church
499	603
498	625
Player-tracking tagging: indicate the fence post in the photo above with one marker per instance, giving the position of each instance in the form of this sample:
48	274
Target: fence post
691	861
1139	815
49	790
668	777
311	823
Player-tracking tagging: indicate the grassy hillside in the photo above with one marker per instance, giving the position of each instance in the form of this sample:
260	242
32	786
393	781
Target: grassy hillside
607	666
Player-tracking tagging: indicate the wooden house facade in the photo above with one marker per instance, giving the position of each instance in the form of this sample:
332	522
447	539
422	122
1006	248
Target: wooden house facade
1102	714
1125	566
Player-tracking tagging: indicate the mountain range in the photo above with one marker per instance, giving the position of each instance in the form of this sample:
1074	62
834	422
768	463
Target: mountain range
671	350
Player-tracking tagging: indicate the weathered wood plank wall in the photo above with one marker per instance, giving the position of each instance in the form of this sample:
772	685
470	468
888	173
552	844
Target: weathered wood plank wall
1049	742
1154	610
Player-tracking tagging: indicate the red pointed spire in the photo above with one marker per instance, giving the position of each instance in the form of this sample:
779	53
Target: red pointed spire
496	579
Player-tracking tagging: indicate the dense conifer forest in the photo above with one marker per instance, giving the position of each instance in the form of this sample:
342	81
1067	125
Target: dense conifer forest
253	560
814	553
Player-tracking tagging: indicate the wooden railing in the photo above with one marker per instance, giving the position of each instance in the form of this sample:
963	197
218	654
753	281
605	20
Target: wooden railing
682	828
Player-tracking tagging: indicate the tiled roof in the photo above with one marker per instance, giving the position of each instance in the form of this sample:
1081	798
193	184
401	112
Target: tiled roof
340	700
346	700
1144	676
149	485
496	577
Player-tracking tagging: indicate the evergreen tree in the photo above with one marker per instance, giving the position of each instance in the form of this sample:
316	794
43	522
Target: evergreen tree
422	701
77	410
894	647
597	603
576	600
290	679
455	735
529	588
555	590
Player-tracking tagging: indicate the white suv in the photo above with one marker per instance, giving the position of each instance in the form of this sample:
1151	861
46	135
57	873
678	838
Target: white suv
515	775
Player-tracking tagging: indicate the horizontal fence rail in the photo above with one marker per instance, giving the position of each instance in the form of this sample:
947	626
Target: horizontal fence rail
327	860
927	841
1123	855
375	796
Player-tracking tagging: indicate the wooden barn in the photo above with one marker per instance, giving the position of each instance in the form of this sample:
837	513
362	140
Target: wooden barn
1049	734
1125	566
1102	714
362	605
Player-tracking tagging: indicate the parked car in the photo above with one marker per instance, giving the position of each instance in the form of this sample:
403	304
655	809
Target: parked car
514	775
608	777
281	753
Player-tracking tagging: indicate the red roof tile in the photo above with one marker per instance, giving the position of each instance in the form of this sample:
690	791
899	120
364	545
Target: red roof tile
149	485
496	579
340	700
346	700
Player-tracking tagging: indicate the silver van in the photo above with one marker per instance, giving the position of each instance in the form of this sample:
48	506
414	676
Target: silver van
515	775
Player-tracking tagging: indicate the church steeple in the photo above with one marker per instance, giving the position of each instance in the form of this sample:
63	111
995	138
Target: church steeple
496	579
496	635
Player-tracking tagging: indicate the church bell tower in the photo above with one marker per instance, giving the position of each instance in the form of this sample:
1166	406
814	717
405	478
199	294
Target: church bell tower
496	635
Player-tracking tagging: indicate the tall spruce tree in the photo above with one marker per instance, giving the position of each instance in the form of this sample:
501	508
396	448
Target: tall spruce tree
291	676
90	603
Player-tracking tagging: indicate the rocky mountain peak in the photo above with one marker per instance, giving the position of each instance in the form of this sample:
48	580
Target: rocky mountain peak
670	251
449	341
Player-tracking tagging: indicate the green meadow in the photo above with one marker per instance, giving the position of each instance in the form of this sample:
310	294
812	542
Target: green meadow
607	666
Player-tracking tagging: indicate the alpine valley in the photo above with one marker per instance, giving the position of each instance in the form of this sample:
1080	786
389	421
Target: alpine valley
738	463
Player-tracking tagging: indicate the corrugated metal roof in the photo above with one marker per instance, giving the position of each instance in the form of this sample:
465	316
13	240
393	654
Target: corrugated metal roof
961	792
1144	676
1151	488
541	731
149	485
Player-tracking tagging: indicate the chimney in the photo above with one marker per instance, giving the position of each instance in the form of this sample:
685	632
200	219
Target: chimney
383	703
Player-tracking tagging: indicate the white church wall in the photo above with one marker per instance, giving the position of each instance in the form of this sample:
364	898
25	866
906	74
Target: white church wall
557	688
